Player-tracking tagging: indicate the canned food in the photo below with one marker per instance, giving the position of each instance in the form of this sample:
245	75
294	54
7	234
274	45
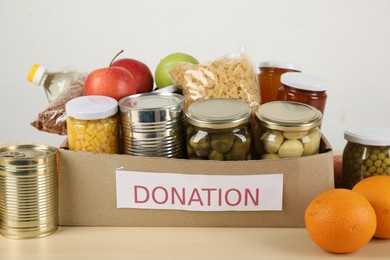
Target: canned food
28	191
153	124
218	129
304	88
287	129
269	78
366	154
93	124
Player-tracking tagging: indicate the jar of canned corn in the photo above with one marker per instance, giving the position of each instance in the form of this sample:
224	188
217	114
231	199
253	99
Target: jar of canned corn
366	154
287	129
92	124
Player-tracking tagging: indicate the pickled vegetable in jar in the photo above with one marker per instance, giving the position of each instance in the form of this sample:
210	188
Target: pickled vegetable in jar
304	88
366	154
269	78
287	129
219	129
92	124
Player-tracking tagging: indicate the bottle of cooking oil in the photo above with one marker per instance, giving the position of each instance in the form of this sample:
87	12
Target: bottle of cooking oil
54	83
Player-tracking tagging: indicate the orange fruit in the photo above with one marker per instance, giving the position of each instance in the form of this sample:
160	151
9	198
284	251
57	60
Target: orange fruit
340	220
377	190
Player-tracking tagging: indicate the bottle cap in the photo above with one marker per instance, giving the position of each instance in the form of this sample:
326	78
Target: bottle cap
304	81
368	135
36	73
91	107
280	65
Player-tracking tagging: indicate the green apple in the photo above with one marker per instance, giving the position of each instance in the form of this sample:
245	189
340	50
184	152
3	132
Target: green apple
161	76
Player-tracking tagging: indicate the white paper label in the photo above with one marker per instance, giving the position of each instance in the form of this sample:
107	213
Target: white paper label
147	190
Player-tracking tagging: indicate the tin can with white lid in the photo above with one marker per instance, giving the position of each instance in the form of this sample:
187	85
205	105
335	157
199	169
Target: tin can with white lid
366	154
219	129
28	191
153	125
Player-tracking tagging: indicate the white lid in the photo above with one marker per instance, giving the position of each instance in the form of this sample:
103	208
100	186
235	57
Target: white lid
304	81
36	73
91	107
280	65
368	135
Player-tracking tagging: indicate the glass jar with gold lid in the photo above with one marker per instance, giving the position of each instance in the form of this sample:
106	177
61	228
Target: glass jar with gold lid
219	129
287	129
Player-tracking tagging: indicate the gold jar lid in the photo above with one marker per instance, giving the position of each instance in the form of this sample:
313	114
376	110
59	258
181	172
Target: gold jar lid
288	116
218	113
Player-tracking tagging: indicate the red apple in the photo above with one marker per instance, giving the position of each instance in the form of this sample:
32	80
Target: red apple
141	73
115	82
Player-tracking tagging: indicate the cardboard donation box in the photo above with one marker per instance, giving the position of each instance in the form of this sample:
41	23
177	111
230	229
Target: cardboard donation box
123	190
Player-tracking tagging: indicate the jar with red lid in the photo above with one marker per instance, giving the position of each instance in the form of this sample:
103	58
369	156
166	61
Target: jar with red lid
303	88
269	78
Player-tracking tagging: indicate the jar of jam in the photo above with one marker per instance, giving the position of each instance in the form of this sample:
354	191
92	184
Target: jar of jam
92	124
366	154
287	129
269	78
304	88
218	129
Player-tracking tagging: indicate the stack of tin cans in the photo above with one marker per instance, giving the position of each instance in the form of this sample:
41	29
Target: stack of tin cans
153	125
28	191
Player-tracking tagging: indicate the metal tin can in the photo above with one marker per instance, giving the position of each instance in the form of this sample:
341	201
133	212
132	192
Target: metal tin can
219	129
153	125
287	129
366	154
28	191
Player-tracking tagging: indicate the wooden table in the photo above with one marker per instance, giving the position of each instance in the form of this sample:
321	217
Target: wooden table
179	243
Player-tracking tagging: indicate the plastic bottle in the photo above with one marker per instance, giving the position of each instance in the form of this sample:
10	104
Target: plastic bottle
54	83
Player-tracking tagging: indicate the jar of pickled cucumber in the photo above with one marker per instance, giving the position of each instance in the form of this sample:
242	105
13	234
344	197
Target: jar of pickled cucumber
218	129
287	129
92	124
366	154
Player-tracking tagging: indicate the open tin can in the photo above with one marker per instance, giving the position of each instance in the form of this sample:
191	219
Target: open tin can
28	191
153	125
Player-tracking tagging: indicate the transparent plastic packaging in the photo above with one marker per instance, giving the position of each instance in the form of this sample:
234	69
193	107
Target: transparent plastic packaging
287	129
366	154
218	129
93	124
54	83
231	76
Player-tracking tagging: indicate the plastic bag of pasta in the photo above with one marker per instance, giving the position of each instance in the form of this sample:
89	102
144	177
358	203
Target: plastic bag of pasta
231	76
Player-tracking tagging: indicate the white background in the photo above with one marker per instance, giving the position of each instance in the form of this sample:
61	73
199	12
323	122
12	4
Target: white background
344	41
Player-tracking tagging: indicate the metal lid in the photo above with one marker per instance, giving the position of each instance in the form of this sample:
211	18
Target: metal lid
368	135
91	107
218	113
288	116
304	81
279	65
26	151
151	101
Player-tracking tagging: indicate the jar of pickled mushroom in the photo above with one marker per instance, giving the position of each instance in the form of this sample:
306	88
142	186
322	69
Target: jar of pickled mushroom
366	154
92	124
269	78
287	129
219	129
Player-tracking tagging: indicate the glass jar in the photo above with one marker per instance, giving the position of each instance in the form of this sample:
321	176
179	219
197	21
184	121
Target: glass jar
219	129
287	129
366	154
269	78
304	88
92	124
